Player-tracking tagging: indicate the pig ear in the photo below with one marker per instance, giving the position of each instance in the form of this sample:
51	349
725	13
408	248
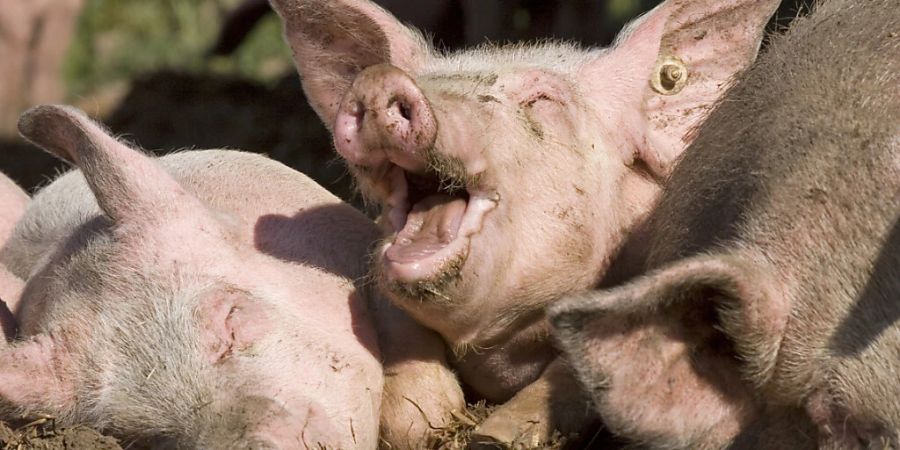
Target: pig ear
675	356
674	63
34	376
333	40
129	186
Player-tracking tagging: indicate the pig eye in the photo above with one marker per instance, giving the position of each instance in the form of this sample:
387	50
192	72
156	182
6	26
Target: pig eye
540	96
539	111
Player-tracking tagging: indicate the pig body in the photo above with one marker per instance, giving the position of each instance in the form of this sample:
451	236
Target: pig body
769	314
205	299
509	176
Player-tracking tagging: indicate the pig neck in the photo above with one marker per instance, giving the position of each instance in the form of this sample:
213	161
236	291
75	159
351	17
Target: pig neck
513	348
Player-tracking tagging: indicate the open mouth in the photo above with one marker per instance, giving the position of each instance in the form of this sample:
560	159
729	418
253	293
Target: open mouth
433	218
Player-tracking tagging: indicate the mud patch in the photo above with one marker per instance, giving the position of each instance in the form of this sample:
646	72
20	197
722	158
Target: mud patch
44	435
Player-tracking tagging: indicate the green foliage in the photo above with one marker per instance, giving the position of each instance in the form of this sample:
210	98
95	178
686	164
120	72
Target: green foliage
118	39
623	10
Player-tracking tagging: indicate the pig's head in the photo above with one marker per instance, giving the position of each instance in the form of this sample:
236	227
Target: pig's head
509	175
163	322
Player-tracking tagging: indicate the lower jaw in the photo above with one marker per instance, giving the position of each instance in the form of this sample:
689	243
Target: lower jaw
425	293
433	289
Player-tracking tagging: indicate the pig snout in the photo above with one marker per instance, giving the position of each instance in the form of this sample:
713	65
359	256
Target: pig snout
385	117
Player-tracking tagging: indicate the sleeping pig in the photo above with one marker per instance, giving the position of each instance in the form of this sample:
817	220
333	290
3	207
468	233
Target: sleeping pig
204	299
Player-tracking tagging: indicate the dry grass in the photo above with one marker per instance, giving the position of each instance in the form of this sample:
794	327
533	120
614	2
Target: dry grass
458	435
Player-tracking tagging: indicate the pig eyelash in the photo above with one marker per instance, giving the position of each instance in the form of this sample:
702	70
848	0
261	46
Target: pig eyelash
536	98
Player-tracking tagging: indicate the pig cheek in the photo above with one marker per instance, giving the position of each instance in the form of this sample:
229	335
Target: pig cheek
310	427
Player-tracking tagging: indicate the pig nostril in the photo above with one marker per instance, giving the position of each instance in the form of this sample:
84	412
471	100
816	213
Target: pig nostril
356	108
405	111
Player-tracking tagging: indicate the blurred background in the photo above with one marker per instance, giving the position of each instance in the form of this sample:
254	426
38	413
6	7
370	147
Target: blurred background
174	74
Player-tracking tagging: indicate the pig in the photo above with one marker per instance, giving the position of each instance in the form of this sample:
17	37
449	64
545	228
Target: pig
508	177
759	304
34	40
205	299
13	202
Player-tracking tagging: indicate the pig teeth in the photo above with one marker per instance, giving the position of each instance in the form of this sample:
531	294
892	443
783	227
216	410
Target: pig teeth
398	201
478	207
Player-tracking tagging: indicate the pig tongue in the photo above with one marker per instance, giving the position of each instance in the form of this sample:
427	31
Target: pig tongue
431	225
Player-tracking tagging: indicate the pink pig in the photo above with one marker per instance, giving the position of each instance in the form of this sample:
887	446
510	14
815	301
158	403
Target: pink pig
509	177
13	202
205	299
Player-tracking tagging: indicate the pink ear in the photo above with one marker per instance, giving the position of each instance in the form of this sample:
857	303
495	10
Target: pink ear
673	359
673	64
333	40
129	186
34	376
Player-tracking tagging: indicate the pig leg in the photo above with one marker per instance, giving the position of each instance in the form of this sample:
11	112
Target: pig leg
554	402
420	391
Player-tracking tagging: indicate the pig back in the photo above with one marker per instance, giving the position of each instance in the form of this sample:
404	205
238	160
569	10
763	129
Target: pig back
271	203
798	170
302	231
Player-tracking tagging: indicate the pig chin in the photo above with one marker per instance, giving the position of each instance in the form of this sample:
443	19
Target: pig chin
435	289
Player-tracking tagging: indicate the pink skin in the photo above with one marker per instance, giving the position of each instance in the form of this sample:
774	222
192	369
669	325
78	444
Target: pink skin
266	271
383	99
13	201
509	177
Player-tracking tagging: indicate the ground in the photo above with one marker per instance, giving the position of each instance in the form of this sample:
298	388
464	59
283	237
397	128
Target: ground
42	434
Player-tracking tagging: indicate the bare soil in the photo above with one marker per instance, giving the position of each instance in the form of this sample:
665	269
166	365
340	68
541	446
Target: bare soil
43	434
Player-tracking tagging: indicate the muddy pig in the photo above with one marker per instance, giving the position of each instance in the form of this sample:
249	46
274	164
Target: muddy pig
183	301
508	176
769	312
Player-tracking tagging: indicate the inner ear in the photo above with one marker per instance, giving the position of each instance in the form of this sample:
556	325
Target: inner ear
334	40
